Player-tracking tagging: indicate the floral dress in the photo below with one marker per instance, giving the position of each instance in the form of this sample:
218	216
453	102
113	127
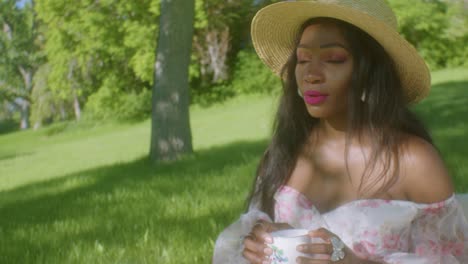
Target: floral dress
387	231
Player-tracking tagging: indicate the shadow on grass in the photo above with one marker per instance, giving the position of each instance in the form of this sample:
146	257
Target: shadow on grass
10	156
447	105
9	126
445	112
117	204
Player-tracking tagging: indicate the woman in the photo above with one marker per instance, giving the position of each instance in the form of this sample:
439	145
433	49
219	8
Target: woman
347	159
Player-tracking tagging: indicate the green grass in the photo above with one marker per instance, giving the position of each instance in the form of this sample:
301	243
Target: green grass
85	193
445	112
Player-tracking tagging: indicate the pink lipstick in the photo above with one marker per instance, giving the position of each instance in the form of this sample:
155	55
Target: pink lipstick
314	97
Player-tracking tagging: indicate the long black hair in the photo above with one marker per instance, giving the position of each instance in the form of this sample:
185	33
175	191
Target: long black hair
382	112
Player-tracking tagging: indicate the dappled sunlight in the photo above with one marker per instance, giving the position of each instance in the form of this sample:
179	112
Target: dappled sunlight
130	208
445	112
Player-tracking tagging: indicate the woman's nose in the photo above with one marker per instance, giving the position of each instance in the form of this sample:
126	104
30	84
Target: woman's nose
313	78
314	73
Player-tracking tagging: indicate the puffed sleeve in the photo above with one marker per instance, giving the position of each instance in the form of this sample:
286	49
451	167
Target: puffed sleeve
229	244
439	234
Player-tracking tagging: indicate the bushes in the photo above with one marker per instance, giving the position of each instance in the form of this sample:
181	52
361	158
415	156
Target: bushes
252	76
438	29
47	106
109	104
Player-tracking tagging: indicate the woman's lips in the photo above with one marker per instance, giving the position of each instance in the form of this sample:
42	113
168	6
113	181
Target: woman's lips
314	97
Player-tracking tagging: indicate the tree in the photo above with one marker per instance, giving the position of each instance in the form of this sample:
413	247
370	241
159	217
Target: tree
20	56
101	53
437	28
220	27
170	130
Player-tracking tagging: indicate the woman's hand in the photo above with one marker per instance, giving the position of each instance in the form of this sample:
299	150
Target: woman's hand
255	250
324	249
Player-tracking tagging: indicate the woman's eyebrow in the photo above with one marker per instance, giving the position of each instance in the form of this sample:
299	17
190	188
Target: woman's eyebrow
324	46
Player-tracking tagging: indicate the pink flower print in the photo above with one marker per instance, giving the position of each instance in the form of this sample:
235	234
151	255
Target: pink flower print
371	203
359	250
306	218
364	249
420	250
454	248
285	212
286	190
370	234
434	208
428	249
304	202
264	218
391	241
434	247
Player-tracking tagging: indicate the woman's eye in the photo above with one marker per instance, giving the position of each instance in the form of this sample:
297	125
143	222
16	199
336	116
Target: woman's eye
336	61
302	59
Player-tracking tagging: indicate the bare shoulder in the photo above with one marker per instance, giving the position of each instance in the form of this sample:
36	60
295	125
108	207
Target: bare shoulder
426	178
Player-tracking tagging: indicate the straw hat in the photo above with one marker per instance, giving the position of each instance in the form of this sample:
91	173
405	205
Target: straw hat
275	28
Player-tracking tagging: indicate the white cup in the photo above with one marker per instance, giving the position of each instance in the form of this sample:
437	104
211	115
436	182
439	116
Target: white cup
285	243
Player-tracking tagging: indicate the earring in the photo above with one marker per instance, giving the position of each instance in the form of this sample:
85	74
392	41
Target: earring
299	92
363	96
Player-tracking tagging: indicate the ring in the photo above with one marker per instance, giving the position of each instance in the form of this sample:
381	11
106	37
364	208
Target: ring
338	246
251	236
259	223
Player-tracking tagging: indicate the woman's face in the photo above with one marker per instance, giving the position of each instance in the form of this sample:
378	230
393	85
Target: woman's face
323	71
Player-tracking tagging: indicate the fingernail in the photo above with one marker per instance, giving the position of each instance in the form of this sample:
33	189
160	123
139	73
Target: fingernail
268	240
266	262
268	251
300	248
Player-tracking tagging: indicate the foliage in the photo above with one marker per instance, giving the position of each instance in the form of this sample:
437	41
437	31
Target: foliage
100	45
46	106
20	55
209	95
8	125
17	45
109	103
252	76
109	45
436	28
221	28
87	195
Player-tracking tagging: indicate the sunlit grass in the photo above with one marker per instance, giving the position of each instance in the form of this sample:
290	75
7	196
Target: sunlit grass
85	193
445	112
130	212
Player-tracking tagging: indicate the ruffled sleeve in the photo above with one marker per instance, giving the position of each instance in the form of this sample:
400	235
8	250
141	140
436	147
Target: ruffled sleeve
294	208
229	244
290	207
438	234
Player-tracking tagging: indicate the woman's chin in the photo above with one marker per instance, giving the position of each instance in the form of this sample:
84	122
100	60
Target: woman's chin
316	111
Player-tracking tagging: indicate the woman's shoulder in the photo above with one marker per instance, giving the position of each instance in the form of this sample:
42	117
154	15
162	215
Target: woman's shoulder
424	174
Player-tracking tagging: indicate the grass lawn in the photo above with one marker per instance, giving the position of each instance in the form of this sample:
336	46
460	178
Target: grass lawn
84	193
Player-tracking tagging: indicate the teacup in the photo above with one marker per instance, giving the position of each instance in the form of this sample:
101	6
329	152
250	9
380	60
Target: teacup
285	243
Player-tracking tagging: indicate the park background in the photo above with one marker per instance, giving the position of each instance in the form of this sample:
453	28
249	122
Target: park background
76	77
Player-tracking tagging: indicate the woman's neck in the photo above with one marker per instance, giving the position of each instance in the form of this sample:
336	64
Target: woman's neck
334	129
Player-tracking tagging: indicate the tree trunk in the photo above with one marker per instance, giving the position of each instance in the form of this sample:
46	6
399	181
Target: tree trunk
26	105
25	111
73	85
170	129
76	107
63	112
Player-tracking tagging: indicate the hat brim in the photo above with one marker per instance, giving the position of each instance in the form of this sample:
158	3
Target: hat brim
275	27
